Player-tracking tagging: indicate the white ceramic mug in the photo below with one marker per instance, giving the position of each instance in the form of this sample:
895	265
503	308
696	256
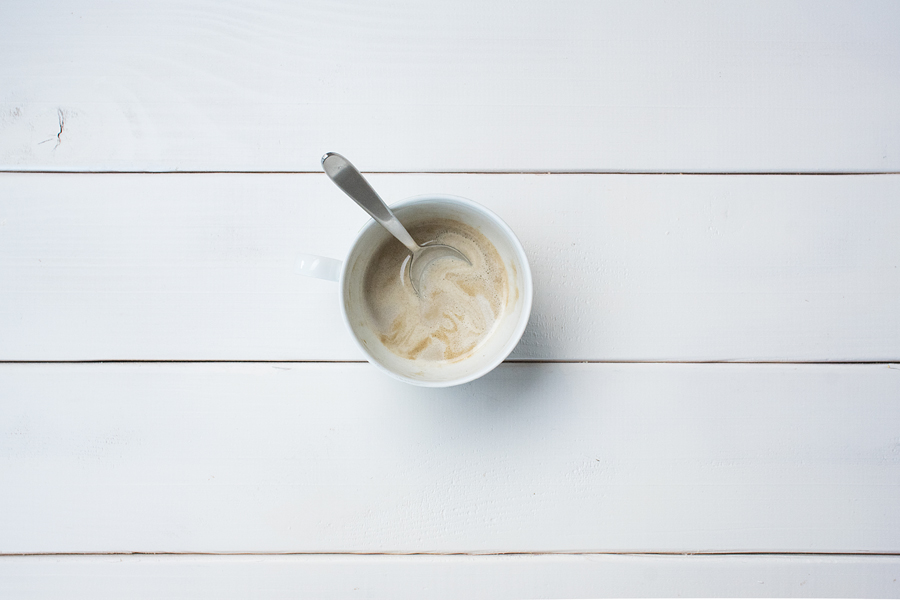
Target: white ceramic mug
411	212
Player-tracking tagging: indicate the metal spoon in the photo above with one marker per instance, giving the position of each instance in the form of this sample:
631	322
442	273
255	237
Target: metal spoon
350	180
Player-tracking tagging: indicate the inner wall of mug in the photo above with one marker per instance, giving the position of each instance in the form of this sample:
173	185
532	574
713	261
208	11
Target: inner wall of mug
491	351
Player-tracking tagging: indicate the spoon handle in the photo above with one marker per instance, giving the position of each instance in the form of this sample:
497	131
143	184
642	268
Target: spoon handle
350	180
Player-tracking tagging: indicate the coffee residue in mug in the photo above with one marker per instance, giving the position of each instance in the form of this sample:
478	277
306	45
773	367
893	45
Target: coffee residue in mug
458	306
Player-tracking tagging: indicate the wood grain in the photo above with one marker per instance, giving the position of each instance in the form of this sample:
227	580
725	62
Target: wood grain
450	577
263	85
626	268
530	458
535	457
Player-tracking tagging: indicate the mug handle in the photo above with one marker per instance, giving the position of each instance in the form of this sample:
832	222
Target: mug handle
319	267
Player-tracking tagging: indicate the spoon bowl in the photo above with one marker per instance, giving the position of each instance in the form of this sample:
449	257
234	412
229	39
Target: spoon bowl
428	254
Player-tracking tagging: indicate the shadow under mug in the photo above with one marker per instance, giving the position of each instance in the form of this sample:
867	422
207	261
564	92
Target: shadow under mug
351	276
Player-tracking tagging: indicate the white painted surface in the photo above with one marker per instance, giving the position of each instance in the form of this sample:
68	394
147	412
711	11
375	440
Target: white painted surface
450	85
447	577
625	267
533	457
290	457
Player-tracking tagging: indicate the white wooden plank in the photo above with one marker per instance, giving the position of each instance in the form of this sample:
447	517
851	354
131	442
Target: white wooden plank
451	577
626	267
534	457
451	85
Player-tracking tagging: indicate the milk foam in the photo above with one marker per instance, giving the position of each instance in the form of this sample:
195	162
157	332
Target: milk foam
458	306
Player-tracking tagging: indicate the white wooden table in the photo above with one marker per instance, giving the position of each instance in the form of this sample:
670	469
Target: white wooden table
703	404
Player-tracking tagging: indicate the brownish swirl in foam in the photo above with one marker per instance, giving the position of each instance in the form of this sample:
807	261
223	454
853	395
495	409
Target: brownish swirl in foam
458	305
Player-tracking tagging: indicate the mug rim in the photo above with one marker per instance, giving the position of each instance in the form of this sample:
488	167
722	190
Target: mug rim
527	294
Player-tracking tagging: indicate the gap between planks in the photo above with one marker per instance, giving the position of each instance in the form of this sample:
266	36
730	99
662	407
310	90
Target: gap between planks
536	361
548	553
705	173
